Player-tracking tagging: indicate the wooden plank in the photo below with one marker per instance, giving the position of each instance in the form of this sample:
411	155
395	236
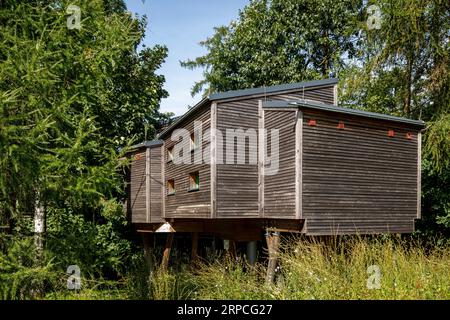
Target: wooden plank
213	158
419	175
163	179
273	244
261	158
166	253
147	241
298	165
147	185
335	95
194	246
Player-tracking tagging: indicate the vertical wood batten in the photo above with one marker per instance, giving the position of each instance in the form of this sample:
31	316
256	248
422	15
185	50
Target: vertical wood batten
213	160
335	95
298	164
261	154
163	179
419	175
147	185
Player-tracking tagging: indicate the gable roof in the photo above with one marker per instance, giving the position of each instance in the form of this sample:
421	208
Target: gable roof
235	94
332	108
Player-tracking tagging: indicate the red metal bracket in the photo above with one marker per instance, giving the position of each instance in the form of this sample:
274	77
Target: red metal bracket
312	122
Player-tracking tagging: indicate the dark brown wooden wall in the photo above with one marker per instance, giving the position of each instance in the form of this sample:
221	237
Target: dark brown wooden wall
358	180
156	185
137	188
237	185
279	189
185	204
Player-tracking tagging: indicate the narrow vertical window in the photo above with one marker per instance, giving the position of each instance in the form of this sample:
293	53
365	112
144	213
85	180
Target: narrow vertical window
170	187
195	143
194	181
170	154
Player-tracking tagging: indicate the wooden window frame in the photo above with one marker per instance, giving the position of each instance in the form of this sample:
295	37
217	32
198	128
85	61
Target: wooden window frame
194	181
171	189
170	154
194	144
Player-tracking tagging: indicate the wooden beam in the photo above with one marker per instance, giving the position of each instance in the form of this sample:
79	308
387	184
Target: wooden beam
232	249
213	159
335	95
147	185
163	180
261	157
299	165
147	241
419	175
194	247
273	244
166	253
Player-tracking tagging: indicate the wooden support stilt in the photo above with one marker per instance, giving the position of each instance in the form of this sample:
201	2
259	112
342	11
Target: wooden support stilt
147	240
232	249
194	247
251	252
166	254
273	244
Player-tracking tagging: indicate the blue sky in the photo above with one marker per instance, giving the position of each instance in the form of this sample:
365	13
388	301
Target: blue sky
181	25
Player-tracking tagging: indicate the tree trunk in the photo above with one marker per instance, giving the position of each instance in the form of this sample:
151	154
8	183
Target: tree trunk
39	230
408	94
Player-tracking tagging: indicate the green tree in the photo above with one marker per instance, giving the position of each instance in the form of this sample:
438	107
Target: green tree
70	99
277	41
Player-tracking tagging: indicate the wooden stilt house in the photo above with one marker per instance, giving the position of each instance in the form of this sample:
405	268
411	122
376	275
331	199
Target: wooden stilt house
337	170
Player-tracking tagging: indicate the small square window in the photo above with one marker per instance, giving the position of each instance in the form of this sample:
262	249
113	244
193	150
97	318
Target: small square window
170	187
195	141
194	181
170	154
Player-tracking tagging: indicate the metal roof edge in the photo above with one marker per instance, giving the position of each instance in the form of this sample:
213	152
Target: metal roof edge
331	108
148	144
271	89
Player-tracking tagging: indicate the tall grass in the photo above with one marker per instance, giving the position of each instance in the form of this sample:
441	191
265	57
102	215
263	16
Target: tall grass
337	270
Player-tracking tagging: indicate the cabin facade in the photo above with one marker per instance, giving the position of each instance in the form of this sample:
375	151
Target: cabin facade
284	158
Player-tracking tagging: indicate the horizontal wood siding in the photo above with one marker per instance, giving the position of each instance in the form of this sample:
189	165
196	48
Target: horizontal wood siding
322	94
137	187
186	204
237	184
279	189
357	179
156	185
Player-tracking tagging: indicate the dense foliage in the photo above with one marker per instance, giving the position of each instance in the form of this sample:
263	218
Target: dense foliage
71	102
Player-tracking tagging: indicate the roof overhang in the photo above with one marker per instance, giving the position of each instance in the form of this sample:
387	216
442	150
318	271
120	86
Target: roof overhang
236	94
309	104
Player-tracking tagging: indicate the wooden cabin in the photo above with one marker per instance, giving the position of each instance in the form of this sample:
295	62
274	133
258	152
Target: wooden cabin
339	170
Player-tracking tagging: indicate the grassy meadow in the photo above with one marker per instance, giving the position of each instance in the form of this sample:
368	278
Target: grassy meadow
307	270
